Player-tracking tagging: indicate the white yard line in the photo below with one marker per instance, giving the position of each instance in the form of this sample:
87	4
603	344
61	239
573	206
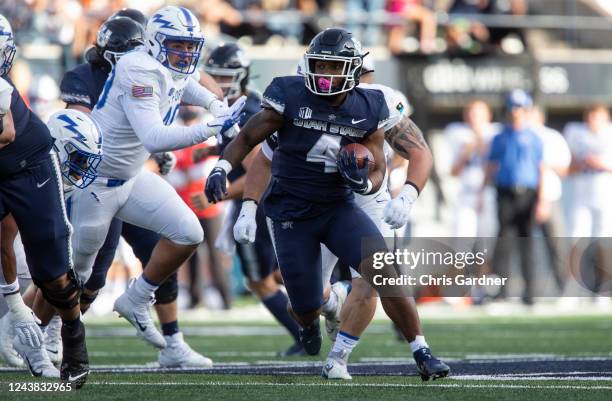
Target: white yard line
349	384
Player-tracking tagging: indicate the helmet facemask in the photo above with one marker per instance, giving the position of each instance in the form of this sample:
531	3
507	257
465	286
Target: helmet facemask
79	167
6	57
188	60
232	88
331	84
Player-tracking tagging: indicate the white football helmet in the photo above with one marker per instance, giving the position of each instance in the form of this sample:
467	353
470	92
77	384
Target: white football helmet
78	143
174	24
7	46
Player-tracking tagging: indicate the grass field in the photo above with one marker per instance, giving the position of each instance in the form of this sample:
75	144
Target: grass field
560	358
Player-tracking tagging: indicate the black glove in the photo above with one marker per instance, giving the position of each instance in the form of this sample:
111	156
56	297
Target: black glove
216	185
355	177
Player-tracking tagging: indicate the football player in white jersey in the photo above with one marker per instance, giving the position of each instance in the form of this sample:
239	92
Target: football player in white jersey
405	138
135	111
78	149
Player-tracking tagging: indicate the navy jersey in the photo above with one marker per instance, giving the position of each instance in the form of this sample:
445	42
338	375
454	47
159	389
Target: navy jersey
306	181
251	107
33	141
82	85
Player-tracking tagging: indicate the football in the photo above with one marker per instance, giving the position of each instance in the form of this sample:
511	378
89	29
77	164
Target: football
361	153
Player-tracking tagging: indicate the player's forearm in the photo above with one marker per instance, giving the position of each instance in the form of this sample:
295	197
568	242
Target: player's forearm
7	134
257	177
198	95
419	168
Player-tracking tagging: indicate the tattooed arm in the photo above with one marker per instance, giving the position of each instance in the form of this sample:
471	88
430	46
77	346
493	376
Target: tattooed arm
406	139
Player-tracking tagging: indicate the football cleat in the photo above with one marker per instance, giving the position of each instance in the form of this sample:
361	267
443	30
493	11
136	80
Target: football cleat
336	366
332	319
53	340
139	316
178	354
295	350
311	338
7	351
428	366
75	361
36	360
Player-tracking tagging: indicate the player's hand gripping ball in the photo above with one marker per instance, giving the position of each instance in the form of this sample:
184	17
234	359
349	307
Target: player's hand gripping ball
354	163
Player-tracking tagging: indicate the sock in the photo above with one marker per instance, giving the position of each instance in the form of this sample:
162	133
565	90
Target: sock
331	304
418	343
72	324
12	288
143	289
345	342
277	305
170	328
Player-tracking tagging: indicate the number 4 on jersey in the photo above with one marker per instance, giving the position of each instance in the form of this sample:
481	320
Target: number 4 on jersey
325	151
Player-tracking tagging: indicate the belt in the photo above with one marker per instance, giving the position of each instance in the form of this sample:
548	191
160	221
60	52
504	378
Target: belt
110	182
517	190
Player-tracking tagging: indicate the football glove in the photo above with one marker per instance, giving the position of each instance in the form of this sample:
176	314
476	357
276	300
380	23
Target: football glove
226	119
356	178
165	161
216	184
246	225
397	211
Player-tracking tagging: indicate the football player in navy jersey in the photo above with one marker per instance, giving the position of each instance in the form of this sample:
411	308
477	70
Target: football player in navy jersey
81	88
310	198
230	68
31	190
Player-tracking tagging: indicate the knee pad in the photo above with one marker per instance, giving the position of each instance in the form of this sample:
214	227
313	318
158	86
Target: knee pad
168	291
64	298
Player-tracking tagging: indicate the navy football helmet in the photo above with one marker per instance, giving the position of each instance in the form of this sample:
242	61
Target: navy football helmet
342	53
118	36
132	14
229	61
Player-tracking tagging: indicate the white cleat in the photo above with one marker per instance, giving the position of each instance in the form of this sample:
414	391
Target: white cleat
36	360
178	354
7	352
53	340
336	366
332	320
139	316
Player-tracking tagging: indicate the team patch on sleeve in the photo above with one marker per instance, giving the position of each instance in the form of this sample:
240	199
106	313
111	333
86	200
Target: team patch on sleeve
142	91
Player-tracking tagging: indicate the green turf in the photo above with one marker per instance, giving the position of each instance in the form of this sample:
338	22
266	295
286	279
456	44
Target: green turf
569	336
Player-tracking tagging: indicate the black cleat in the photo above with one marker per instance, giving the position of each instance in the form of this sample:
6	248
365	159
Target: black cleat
311	338
295	350
428	366
75	363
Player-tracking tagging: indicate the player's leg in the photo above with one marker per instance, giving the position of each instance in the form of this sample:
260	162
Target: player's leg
103	261
154	205
399	306
177	352
334	295
36	201
258	264
298	249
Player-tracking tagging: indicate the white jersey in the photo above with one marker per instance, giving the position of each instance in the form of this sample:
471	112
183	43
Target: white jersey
136	77
398	107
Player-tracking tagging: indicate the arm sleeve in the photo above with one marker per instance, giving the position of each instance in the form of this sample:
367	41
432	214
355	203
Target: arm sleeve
74	90
268	146
197	95
384	117
140	100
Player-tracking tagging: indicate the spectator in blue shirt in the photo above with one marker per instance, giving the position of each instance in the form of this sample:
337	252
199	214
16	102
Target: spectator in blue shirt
514	168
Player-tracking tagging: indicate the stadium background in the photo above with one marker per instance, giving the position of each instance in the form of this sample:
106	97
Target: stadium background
557	50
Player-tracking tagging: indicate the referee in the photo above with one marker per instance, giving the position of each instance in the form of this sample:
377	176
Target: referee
514	168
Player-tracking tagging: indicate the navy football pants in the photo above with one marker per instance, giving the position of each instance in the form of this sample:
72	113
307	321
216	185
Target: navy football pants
298	249
35	198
